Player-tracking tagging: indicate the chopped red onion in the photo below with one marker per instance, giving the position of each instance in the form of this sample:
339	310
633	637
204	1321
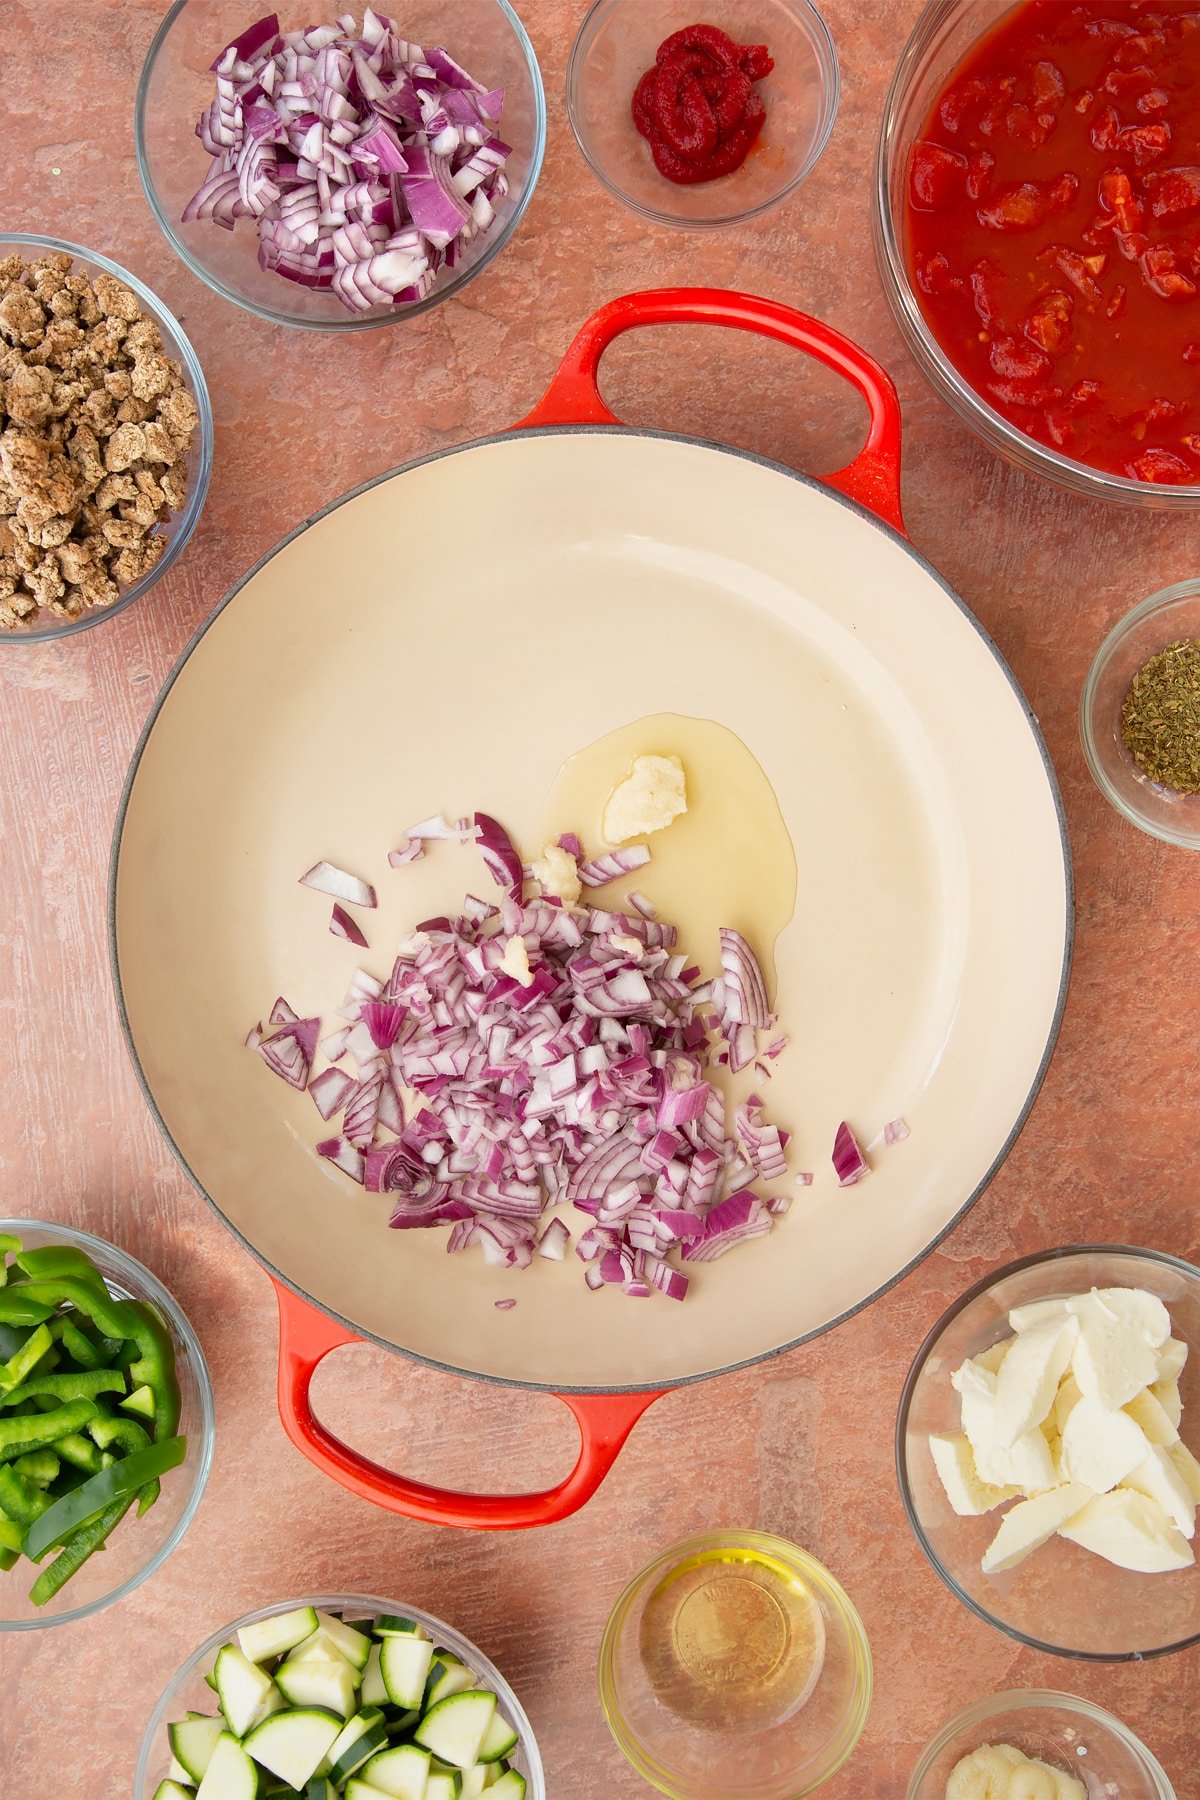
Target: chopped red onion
368	164
587	1086
412	852
848	1160
504	1305
745	991
895	1132
496	848
604	869
330	1091
343	926
330	880
290	1051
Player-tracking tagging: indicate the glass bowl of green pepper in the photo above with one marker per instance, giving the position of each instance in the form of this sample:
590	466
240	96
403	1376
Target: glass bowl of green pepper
106	1424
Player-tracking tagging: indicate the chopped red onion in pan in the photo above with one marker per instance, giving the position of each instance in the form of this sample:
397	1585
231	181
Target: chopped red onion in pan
527	1056
343	926
327	879
849	1162
368	163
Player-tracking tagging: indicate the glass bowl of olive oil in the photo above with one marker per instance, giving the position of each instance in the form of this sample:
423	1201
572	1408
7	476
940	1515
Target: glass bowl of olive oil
1140	715
735	1667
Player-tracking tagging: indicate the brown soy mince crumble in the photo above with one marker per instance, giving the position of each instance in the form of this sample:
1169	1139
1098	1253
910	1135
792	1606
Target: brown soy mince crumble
96	423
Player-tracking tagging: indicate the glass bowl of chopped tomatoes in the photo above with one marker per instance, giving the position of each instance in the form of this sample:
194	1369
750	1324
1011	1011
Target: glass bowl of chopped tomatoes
1037	228
745	105
1157	645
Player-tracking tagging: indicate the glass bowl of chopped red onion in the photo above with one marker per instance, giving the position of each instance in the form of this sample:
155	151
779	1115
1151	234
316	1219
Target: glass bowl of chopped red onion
339	172
785	116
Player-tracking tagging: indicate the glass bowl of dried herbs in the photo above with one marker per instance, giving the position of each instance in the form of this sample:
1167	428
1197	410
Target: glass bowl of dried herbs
1140	715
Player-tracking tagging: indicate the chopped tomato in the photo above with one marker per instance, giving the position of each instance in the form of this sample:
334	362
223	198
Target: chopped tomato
1054	228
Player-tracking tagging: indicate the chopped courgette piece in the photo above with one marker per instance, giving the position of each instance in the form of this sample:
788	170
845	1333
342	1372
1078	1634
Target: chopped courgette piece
230	1775
294	1744
277	1635
404	1664
242	1688
498	1740
173	1790
192	1742
401	1772
455	1728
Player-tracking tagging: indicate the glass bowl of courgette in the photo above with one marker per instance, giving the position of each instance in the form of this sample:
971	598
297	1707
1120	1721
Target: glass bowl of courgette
106	1424
339	1697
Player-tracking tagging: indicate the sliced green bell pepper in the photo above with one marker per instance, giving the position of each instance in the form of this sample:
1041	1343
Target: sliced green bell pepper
39	1466
122	1481
83	1384
54	1261
11	1536
42	1431
141	1401
9	1246
20	1500
77	1344
155	1367
75	1552
125	1435
79	1451
37	1345
115	1318
19	1307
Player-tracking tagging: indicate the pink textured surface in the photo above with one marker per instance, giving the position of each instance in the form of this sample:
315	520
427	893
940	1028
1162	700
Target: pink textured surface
801	1445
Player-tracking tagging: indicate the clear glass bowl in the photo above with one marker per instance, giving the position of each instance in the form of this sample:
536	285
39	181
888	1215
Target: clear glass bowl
485	36
1081	1739
1062	1599
662	1691
1163	619
187	1691
181	525
943	35
138	1547
614	47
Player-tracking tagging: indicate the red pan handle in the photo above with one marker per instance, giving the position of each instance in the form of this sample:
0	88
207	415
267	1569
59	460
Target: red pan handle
307	1336
573	397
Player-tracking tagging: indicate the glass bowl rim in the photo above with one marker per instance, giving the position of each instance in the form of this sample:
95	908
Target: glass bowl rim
1163	1258
201	1456
352	321
1113	638
829	68
631	1747
188	516
365	1605
1034	1699
997	432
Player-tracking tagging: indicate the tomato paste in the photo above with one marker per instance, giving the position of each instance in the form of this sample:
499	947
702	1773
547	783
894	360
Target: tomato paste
1054	229
697	106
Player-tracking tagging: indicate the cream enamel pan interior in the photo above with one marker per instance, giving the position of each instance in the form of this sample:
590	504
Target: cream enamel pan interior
441	641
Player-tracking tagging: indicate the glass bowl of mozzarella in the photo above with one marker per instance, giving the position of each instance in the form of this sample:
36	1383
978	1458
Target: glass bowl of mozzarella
1044	1449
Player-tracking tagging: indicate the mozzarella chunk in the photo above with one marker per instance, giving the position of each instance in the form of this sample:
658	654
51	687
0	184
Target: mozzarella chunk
1100	1447
1160	1480
1152	1418
1129	1530
954	1461
1114	1358
1032	1523
1029	1376
1188	1467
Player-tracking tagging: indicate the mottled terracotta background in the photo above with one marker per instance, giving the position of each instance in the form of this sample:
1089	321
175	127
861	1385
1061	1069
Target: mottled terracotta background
801	1445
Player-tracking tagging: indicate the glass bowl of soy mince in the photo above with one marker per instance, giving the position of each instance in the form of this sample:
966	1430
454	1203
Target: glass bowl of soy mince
1140	715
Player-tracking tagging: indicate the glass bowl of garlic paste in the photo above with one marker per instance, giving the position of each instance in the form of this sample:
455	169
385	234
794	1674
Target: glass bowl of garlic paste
1053	1747
1044	1448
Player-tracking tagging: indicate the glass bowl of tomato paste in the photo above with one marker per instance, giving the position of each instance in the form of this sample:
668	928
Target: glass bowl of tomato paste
1037	227
778	123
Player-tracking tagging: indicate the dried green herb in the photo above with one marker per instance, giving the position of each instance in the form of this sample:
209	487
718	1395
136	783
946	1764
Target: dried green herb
1160	718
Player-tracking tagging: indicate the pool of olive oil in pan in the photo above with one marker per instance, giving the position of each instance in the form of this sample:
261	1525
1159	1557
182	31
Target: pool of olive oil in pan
732	1639
727	861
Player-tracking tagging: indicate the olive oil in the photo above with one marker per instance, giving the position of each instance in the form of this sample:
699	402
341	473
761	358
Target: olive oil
727	861
732	1639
